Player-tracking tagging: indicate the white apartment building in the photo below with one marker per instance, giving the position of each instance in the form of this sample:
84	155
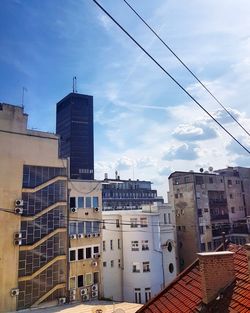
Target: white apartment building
138	256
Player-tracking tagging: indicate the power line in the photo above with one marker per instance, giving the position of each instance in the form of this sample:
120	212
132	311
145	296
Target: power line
169	75
187	68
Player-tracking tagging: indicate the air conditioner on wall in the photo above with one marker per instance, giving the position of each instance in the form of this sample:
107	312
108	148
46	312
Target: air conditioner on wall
17	235
17	242
18	210
94	287
73	236
96	255
96	209
19	202
80	236
84	292
94	264
14	292
73	210
94	294
72	297
72	291
85	298
61	300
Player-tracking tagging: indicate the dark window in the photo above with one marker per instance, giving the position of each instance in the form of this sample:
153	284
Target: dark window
72	202
80	281
72	255
171	267
199	180
96	249
88	253
80	254
96	277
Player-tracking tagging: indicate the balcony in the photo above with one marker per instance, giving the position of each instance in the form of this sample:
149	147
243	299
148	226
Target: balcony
217	202
218	217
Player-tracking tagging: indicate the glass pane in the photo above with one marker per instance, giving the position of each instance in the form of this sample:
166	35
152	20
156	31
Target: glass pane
88	202
80	202
95	202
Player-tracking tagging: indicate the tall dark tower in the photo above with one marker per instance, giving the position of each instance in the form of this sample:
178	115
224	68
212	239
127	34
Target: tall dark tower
74	124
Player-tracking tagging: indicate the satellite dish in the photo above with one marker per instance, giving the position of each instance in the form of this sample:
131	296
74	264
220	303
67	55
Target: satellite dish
201	170
210	169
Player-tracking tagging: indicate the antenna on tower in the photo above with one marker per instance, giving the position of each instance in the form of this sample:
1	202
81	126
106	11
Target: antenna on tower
74	84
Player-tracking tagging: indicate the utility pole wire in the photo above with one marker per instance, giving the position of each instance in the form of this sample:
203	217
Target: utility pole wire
166	72
187	68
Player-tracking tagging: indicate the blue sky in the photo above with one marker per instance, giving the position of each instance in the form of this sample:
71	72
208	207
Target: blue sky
144	125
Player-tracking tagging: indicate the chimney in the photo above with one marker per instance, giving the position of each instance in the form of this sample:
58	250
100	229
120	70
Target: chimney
247	247
217	273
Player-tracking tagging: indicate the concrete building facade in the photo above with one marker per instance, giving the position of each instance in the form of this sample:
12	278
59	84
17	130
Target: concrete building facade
33	214
206	204
85	240
138	252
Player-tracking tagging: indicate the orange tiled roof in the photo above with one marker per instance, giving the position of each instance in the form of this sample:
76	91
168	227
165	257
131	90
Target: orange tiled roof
184	293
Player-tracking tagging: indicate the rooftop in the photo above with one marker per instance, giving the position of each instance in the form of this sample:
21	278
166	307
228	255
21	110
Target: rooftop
184	293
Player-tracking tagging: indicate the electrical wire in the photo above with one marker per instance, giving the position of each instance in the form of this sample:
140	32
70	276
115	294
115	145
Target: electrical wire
187	68
169	75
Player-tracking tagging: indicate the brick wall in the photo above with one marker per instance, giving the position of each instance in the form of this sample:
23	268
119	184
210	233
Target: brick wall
217	272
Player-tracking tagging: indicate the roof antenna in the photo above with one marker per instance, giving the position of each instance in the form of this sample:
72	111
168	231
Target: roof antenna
24	89
74	84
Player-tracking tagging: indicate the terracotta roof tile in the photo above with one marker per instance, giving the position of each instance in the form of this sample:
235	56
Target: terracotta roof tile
184	293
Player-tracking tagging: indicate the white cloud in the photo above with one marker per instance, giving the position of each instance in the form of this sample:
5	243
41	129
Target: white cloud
194	132
182	152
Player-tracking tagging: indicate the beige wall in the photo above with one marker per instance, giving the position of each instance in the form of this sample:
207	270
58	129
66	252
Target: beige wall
17	150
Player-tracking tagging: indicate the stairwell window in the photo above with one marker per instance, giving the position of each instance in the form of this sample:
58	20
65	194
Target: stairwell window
144	222
145	266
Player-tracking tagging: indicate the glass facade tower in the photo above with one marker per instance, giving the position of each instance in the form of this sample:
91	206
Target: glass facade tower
74	124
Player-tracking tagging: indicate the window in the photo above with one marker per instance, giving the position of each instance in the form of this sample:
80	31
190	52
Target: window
118	243
181	195
134	245
88	279
199	180
104	245
103	224
198	195
96	226
119	263
96	249
209	246
229	183
80	202
171	267
95	202
147	294
80	227
136	268
133	222
144	222
231	196
117	223
144	245
169	218
72	283
72	228
199	212
165	218
111	244
80	255
145	267
203	247
104	264
201	230
88	226
176	196
88	253
96	277
233	209
112	263
88	202
72	202
80	281
72	255
137	295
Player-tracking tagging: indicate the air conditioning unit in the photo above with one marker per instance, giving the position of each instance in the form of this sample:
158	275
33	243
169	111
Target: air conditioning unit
72	297
96	209
94	287
17	242
14	292
72	291
80	236
61	300
89	235
85	298
96	255
17	235
84	292
73	236
94	294
93	235
19	203
18	210
94	263
73	210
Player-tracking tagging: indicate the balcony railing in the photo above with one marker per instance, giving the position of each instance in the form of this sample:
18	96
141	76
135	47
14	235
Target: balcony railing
216	217
217	202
